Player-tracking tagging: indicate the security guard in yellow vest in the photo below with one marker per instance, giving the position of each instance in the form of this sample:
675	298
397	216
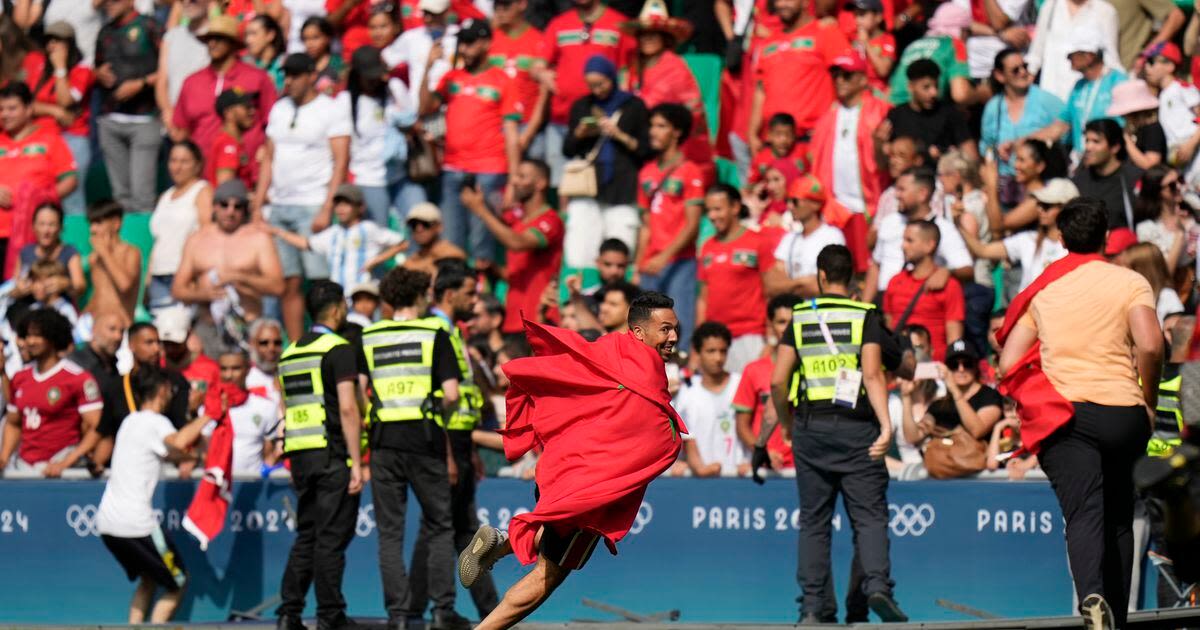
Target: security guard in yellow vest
841	432
1168	422
414	392
455	294
319	376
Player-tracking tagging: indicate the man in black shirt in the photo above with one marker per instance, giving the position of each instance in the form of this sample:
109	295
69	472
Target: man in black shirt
1105	174
928	117
99	356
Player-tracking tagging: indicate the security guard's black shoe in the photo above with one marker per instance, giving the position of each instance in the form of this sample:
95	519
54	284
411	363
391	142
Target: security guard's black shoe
1097	614
290	623
811	619
480	555
886	607
449	620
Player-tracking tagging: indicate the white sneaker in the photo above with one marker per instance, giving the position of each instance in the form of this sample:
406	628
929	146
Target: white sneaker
1097	615
480	554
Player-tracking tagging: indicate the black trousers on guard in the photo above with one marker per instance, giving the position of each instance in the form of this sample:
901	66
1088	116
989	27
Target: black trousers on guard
1090	465
325	518
392	472
831	459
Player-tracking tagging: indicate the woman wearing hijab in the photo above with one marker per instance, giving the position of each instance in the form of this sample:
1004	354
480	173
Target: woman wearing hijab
617	123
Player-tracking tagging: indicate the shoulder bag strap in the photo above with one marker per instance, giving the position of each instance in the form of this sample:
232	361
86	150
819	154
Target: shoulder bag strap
911	305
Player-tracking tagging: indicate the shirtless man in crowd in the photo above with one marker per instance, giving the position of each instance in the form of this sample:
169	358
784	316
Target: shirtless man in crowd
115	267
425	229
228	253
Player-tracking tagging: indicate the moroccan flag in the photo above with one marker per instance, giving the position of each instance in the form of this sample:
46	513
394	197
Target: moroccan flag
206	515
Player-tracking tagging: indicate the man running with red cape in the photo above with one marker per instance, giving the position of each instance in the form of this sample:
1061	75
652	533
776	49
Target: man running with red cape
602	415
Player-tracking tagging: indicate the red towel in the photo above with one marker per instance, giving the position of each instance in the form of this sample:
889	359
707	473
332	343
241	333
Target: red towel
1041	408
206	515
603	415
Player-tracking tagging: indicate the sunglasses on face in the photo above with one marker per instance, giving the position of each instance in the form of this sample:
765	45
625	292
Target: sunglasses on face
263	343
233	203
1171	185
417	224
959	364
1018	70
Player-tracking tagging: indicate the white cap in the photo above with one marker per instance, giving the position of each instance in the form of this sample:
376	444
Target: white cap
434	6
424	211
174	323
1084	40
1056	192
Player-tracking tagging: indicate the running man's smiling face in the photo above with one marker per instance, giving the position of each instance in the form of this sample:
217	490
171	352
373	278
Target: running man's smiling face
660	331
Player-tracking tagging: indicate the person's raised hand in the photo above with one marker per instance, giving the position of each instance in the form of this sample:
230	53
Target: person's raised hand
574	284
989	173
472	198
435	54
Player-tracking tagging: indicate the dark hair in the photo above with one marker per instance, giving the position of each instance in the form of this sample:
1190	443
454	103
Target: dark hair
18	90
52	207
998	67
645	303
916	329
279	40
837	263
322	24
191	148
709	330
923	69
630	291
378	91
1112	133
920	147
146	381
785	300
614	245
138	327
1083	223
322	295
732	195
677	116
782	119
923	176
491	304
540	166
105	209
1051	156
50	325
74	56
402	287
516	348
451	274
1148	205
928	229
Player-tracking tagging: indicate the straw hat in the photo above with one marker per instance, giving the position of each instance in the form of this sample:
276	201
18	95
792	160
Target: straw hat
655	17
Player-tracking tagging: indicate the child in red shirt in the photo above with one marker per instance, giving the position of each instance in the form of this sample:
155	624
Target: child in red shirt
876	44
781	143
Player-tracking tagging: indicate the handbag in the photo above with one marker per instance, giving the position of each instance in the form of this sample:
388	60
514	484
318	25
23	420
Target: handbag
422	162
579	178
953	453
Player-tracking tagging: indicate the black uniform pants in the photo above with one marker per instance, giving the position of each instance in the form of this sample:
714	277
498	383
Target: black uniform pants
831	459
1090	465
392	472
325	518
465	523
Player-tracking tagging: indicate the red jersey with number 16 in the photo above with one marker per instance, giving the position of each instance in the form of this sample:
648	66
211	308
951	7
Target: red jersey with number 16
50	405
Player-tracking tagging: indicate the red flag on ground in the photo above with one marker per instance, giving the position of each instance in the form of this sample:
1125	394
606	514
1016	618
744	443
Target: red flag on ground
603	415
206	515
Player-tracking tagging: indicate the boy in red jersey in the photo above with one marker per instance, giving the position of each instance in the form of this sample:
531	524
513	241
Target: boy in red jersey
752	401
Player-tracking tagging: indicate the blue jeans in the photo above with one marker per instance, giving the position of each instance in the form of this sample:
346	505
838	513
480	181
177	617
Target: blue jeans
678	280
406	194
554	135
460	226
297	219
81	150
158	293
378	204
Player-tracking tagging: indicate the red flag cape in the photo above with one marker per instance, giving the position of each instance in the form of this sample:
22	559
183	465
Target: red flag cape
206	515
1041	408
603	415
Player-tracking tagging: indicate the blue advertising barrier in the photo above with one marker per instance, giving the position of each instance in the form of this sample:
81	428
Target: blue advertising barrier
720	550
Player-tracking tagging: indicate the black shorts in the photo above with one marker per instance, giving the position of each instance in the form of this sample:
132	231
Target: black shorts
570	550
153	556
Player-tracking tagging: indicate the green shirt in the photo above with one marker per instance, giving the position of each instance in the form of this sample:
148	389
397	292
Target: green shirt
948	53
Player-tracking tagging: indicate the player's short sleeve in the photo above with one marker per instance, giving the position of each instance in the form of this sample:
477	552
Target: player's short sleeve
443	85
341	124
550	42
834	44
886	45
549	229
702	261
510	98
693	186
953	248
61	158
80	79
225	155
341	363
445	361
643	199
766	253
1016	246
159	429
956	308
384	238
745	398
88	393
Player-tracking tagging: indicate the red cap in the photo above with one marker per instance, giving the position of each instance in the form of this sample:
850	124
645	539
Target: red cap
1119	240
1163	49
807	187
852	61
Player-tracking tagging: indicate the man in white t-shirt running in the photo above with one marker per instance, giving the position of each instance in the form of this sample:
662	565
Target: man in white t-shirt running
125	518
705	403
795	269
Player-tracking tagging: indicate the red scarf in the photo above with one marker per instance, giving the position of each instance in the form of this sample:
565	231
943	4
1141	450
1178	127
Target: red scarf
206	515
1041	408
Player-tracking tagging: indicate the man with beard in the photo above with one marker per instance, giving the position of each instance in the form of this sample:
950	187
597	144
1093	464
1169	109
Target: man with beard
266	346
99	358
531	232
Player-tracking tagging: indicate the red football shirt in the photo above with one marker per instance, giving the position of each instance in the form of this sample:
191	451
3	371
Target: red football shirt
570	43
196	109
932	311
663	196
517	55
732	271
40	159
354	26
885	44
529	271
50	406
753	396
460	10
228	153
793	70
476	107
81	79
762	161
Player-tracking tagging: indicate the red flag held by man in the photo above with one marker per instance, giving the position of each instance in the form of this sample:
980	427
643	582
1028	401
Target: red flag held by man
206	515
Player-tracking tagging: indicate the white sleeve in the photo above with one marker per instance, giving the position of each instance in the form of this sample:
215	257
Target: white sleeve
1015	247
785	243
1169	303
340	125
322	242
396	52
383	237
159	430
953	249
1109	31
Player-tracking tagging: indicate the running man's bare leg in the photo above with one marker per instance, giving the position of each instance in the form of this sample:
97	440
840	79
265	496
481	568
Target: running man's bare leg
165	607
526	595
139	607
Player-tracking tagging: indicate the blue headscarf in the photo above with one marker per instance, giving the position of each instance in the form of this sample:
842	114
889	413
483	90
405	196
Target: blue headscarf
600	64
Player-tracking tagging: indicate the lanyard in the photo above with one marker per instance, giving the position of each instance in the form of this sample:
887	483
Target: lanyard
1091	100
833	349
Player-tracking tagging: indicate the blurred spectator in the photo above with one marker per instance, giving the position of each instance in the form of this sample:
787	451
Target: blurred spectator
1092	93
48	281
425	230
531	233
1031	250
792	74
614	300
297	13
612	265
940	311
1178	106
22	60
671	197
129	127
306	159
364	302
573	38
485	327
936	122
180	55
1160	217
383	26
414	48
85	19
731	268
353	248
752	401
228	156
967	402
184	208
202	373
1035	163
873	39
1145	23
1147	260
995	26
378	106
226	269
350	18
459	11
318	34
612	125
795	266
99	356
1057	25
115	266
943	45
781	143
658	76
1145	141
902	153
54	401
1038	110
966	202
768	200
482	114
705	402
266	346
196	113
266	49
63	92
255	422
1105	174
35	165
48	245
520	50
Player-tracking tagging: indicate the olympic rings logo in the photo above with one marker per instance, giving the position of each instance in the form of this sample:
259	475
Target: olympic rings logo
82	519
645	514
909	519
366	521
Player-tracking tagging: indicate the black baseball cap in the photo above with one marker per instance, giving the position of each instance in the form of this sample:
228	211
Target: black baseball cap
865	5
231	97
299	63
474	30
961	349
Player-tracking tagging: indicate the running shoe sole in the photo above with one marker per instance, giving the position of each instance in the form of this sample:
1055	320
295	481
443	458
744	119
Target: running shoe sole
470	561
1097	615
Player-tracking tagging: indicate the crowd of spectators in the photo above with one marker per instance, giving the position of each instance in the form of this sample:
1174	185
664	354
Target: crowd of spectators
574	153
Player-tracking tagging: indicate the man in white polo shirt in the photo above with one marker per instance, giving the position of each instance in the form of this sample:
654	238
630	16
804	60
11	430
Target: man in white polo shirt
795	269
